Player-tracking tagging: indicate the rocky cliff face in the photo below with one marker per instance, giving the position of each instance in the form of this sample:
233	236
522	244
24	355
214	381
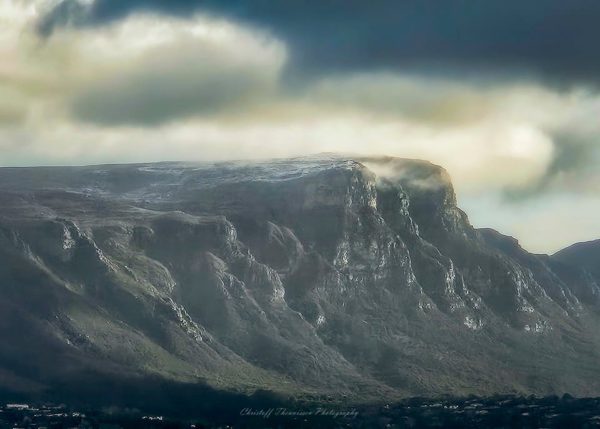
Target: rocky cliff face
350	278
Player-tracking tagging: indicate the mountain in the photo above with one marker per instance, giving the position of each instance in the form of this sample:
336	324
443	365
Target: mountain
585	256
351	279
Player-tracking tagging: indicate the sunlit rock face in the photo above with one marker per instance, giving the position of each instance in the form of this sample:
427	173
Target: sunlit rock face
344	277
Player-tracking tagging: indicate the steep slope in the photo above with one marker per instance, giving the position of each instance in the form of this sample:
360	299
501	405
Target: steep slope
344	277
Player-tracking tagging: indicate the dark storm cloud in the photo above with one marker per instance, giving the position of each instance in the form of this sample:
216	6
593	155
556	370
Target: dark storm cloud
557	38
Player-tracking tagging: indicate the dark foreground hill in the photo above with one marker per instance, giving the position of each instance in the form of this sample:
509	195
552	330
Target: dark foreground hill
327	279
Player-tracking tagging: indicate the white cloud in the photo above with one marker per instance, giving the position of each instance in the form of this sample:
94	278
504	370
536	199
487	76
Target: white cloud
176	70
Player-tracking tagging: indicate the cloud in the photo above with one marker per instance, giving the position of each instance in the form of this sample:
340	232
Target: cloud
147	69
218	84
212	88
551	37
64	13
13	108
423	99
576	138
183	68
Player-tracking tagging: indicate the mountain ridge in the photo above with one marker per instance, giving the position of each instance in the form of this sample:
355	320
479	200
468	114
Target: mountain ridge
346	277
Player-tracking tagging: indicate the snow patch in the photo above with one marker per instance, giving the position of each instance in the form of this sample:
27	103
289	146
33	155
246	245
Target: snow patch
68	241
472	323
538	328
321	320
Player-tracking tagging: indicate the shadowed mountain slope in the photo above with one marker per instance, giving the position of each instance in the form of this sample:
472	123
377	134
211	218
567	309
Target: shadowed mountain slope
354	278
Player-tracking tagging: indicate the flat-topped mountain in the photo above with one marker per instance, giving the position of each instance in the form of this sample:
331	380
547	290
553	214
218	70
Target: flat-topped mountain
351	278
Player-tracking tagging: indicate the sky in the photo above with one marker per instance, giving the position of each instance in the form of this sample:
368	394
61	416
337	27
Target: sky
505	94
